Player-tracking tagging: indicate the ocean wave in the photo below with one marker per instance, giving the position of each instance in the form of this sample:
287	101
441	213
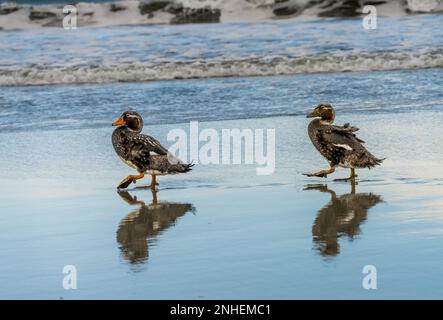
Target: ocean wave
256	66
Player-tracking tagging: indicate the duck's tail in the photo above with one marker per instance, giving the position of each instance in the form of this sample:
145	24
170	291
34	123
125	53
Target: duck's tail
169	165
367	160
180	167
375	162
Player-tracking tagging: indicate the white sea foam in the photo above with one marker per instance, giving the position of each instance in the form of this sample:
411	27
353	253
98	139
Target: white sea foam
148	71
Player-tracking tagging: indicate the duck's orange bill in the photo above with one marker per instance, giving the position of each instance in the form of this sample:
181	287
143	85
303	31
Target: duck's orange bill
119	122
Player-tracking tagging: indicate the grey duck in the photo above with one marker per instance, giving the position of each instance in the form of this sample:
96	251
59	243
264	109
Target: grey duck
338	144
142	152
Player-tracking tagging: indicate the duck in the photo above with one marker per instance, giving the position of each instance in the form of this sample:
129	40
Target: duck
338	144
143	152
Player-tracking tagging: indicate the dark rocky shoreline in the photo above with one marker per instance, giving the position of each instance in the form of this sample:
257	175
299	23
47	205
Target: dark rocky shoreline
180	14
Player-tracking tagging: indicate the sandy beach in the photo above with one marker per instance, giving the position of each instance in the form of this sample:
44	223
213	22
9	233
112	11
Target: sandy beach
224	230
220	231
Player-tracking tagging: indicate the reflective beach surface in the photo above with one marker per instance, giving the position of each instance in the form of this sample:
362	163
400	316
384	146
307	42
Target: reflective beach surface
222	231
141	226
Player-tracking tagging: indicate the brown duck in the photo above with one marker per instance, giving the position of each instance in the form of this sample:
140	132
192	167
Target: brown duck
142	152
338	144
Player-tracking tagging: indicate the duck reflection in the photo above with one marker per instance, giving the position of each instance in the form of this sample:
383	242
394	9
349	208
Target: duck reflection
141	226
342	215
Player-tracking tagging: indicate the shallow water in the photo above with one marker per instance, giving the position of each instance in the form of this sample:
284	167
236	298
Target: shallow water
166	102
221	231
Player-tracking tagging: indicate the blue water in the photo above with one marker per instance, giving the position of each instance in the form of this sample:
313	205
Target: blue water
166	102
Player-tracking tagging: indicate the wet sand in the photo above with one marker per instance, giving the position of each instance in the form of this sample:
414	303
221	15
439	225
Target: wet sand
222	231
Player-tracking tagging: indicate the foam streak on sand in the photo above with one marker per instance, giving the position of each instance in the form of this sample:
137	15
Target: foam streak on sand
149	71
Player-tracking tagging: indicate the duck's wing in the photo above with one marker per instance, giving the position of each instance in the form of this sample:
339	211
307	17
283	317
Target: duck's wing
340	145
344	132
342	137
142	144
139	149
155	145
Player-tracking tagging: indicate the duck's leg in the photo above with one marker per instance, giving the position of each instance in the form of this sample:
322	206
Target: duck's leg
321	174
351	177
129	179
154	182
353	186
154	196
152	185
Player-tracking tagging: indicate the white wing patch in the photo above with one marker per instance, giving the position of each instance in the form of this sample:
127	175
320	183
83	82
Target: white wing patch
344	146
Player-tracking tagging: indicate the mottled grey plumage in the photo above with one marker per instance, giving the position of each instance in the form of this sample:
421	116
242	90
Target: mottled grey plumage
338	144
142	152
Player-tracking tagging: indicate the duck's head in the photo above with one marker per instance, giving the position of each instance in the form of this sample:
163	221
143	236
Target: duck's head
324	111
131	120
